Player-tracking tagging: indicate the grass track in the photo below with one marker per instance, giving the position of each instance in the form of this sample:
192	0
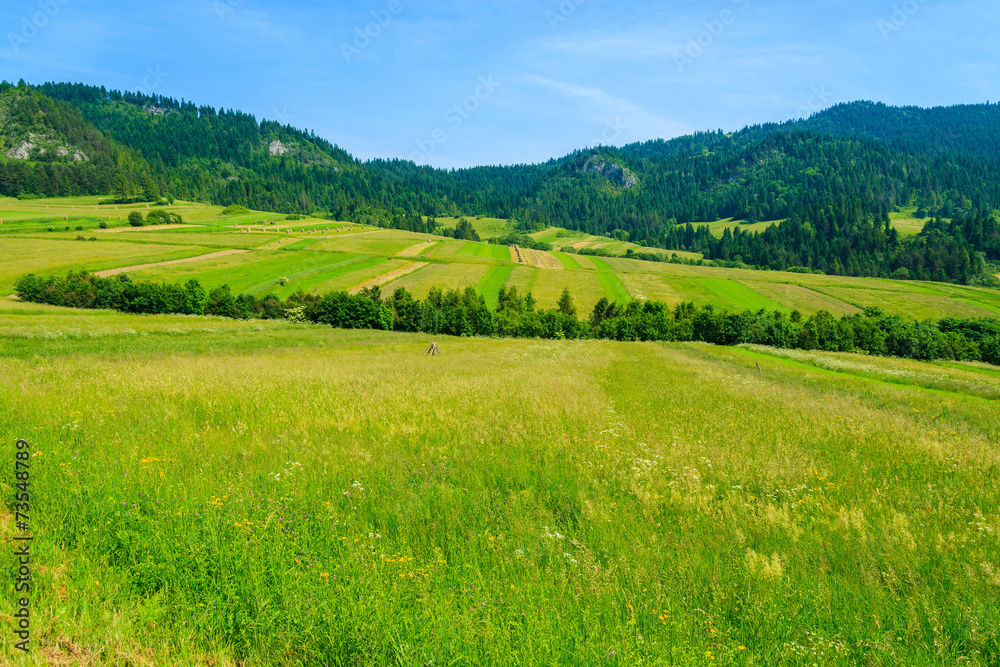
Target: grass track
567	261
486	251
489	286
613	287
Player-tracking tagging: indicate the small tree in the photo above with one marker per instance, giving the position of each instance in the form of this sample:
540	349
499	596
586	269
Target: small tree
566	306
123	188
151	189
135	219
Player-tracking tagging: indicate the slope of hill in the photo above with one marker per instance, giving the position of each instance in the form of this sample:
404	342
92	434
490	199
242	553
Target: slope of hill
835	177
968	129
271	254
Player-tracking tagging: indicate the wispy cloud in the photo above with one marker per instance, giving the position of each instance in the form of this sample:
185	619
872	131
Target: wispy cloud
636	45
602	106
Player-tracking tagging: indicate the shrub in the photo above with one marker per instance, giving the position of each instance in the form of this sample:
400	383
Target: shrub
103	225
163	218
135	219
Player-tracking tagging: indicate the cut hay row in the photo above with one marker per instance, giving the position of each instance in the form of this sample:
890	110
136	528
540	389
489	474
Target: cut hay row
415	250
151	228
384	278
155	265
542	259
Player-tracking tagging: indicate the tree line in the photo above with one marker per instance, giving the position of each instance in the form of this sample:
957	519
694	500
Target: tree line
465	313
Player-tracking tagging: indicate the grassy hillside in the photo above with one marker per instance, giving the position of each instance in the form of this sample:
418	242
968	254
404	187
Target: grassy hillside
210	491
319	255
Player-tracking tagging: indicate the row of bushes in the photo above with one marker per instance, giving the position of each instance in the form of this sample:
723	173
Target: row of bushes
465	313
156	217
521	240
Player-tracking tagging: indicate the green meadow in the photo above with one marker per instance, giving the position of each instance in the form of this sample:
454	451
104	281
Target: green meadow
484	226
219	492
320	255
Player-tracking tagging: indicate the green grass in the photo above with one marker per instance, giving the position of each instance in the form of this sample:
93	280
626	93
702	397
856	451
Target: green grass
47	257
468	263
485	227
489	286
719	226
905	223
740	296
386	243
265	493
565	238
443	276
486	251
613	287
567	261
259	271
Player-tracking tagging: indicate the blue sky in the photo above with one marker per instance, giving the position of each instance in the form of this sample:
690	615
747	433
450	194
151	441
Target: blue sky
462	83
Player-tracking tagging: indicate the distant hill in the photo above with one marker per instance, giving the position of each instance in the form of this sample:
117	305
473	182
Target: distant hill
833	178
969	129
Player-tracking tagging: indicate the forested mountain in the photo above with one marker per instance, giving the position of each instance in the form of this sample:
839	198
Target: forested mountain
832	178
969	129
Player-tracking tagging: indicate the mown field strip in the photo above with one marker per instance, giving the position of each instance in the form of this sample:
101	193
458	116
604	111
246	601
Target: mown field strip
567	261
456	276
312	275
485	251
188	260
430	248
384	278
740	296
798	297
938	381
57	256
490	285
600	264
156	228
415	249
613	287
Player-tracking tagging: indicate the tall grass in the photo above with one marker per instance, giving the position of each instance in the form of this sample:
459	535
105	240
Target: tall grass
293	495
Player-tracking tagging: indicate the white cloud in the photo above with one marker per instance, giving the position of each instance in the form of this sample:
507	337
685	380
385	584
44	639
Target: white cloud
628	119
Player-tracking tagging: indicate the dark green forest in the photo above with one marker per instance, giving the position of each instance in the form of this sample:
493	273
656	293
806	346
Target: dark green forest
832	179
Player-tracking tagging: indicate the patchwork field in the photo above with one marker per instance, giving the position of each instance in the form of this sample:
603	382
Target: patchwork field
216	492
320	255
